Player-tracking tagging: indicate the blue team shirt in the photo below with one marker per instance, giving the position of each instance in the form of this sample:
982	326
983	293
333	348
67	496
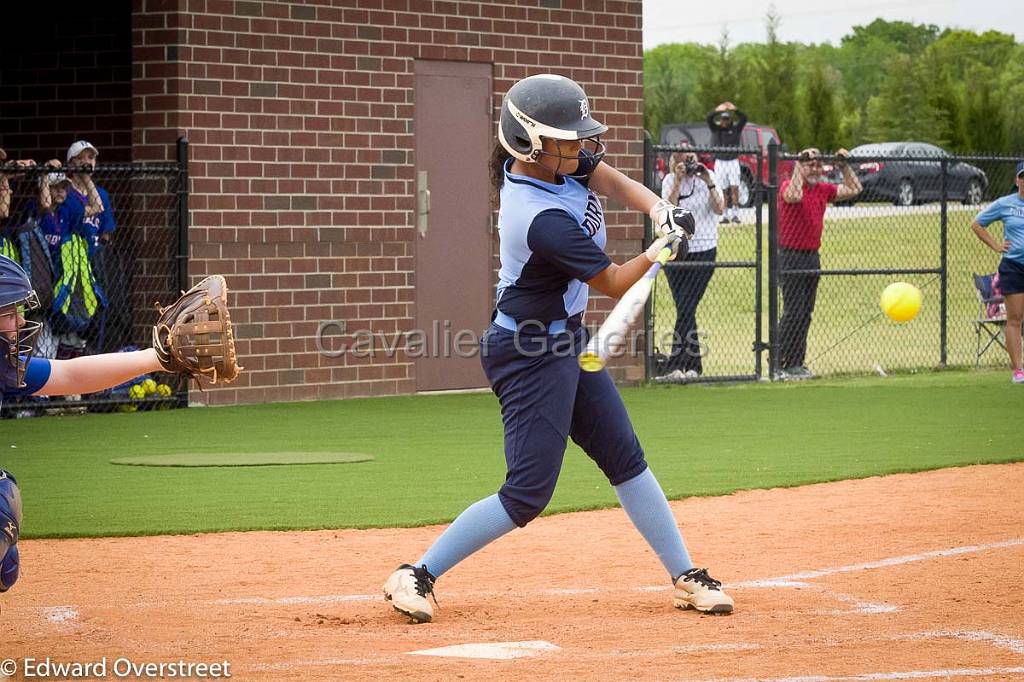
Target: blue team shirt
1010	210
97	225
36	375
58	226
552	242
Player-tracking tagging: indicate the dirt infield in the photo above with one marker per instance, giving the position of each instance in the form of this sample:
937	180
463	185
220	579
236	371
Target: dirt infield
909	576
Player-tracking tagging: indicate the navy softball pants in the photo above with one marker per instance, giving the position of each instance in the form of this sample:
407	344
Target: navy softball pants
545	398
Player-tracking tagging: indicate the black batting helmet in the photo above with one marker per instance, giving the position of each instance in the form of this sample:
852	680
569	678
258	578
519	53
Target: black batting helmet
546	105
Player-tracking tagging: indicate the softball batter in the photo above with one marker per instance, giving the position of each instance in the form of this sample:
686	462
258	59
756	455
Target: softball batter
548	169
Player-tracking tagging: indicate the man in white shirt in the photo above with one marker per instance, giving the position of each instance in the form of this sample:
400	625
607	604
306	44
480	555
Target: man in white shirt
691	186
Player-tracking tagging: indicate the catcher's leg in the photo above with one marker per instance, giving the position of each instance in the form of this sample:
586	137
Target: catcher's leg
10	527
9	569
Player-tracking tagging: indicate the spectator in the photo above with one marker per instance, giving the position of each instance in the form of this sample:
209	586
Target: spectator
108	266
9	167
99	223
77	295
60	218
726	123
14	168
803	199
1009	210
689	185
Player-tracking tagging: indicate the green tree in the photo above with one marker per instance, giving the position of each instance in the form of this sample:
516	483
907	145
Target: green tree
819	115
719	82
946	99
957	52
865	55
985	115
1010	92
851	128
887	80
776	81
671	76
901	110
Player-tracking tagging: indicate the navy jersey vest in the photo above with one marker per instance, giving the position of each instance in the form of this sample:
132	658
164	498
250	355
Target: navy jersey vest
552	242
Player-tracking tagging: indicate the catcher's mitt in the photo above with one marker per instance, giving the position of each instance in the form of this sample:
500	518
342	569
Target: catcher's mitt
193	335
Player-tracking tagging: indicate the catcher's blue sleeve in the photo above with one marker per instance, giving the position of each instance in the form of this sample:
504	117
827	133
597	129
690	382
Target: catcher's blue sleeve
10	529
36	375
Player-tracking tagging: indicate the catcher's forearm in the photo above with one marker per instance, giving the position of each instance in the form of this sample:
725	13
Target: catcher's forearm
92	373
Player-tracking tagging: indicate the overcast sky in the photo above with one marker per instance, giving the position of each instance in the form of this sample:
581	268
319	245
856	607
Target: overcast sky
680	21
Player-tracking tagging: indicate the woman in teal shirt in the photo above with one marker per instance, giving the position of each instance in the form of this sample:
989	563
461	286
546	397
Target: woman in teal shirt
1010	210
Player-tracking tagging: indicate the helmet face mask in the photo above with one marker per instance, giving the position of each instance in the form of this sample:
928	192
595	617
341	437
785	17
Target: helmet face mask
552	107
17	343
16	334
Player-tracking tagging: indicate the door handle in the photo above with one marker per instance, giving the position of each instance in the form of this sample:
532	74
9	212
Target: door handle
422	203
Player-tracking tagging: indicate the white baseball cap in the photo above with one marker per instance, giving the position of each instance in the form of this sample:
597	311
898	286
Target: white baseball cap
79	147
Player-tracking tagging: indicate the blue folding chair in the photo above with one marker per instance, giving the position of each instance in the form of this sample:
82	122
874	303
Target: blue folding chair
991	321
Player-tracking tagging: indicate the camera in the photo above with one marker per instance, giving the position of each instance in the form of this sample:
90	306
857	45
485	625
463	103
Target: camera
692	168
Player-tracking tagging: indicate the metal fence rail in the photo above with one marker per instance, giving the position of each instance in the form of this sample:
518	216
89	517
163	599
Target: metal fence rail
97	278
911	222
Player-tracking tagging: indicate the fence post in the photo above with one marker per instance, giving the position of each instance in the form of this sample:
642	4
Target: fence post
648	345
182	255
773	264
759	198
944	262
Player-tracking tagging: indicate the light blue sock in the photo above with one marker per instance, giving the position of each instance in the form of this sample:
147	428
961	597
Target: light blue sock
480	524
645	503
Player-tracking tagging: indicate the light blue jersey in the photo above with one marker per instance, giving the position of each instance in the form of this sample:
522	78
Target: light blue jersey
1010	210
552	243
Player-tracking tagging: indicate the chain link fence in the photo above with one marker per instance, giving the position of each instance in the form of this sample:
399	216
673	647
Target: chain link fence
97	277
910	222
706	310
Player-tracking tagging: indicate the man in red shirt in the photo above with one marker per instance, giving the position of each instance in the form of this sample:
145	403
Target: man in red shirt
803	199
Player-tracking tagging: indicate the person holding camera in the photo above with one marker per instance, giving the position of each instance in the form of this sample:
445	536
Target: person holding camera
802	201
726	123
690	185
99	223
8	170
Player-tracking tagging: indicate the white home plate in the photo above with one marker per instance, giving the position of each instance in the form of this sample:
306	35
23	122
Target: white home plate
498	650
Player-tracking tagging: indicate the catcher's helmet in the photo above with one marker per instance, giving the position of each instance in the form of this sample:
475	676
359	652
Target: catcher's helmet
546	105
16	295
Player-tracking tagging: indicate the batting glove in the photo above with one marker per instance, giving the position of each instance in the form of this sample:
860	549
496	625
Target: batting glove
670	219
674	240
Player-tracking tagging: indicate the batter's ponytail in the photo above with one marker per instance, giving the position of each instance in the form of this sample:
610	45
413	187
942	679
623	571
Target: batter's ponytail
497	166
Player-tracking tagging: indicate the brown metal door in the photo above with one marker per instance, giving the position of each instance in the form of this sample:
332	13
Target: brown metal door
453	241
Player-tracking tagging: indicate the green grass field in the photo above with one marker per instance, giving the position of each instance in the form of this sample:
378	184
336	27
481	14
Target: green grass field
849	334
436	454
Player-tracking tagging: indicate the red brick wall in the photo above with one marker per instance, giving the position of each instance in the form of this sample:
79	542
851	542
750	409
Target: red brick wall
299	117
66	78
